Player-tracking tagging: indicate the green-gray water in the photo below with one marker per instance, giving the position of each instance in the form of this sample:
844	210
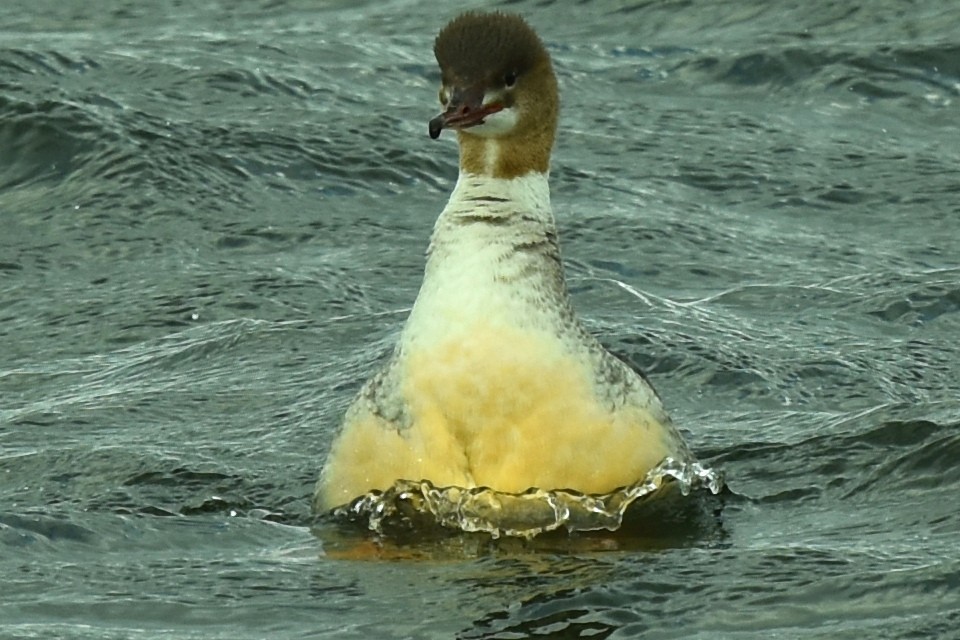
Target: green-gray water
212	223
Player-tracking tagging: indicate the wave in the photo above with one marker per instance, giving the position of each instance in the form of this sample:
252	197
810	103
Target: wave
411	505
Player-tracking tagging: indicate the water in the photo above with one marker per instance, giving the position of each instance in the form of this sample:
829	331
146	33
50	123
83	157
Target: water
213	221
411	506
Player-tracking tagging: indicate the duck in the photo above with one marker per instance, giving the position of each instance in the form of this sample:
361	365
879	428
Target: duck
494	381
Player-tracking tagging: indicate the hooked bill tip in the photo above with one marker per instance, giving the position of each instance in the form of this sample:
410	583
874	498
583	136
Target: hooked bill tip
436	126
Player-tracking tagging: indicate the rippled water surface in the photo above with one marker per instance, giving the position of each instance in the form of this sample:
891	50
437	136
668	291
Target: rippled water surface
212	224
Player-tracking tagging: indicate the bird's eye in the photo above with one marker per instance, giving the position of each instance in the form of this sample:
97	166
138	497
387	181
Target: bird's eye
443	95
510	79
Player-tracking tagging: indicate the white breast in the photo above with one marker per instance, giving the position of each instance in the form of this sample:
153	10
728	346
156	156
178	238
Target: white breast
492	260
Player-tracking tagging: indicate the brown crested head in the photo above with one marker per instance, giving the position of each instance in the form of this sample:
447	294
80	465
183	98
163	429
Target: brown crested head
497	83
483	48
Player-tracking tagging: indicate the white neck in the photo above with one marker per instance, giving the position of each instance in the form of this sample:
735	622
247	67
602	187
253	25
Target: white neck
479	195
493	259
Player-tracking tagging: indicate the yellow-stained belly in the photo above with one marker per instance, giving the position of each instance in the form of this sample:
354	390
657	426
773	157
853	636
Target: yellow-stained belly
500	407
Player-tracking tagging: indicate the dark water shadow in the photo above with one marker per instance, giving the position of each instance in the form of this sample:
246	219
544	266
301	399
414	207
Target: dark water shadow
670	521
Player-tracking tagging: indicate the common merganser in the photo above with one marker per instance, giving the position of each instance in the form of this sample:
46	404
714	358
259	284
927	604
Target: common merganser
494	381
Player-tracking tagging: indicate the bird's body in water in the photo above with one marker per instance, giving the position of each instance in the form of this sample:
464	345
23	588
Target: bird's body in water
494	381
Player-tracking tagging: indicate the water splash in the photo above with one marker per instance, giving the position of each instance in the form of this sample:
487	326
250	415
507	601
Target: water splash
411	504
